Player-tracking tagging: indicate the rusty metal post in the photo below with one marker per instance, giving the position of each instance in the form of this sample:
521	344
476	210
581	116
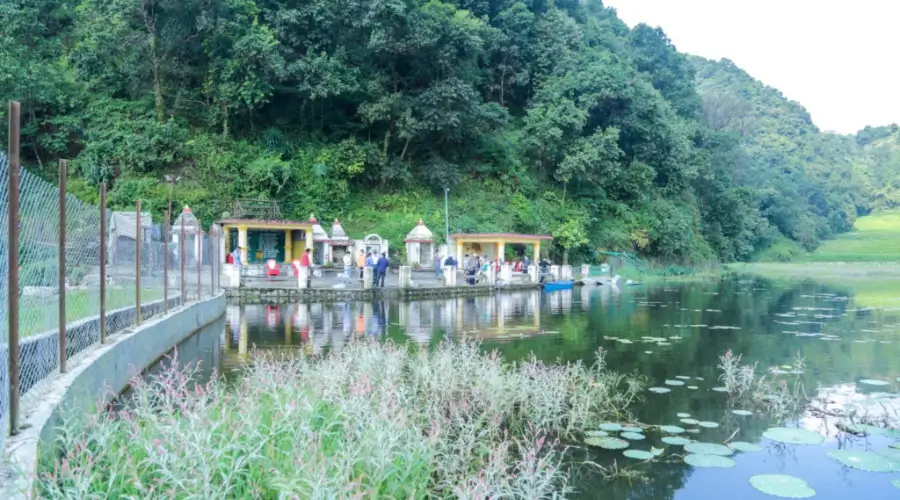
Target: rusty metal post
181	245
198	243
137	266
103	263
63	167
166	264
212	259
12	290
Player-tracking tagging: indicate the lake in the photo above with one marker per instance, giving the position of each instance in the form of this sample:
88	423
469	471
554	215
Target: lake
672	332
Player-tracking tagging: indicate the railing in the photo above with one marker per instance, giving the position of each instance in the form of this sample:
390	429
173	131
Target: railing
69	282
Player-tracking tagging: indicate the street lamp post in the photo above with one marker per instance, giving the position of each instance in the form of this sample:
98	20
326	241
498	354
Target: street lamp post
447	216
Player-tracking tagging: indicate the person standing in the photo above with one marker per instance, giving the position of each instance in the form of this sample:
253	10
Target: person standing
348	263
381	269
361	263
305	262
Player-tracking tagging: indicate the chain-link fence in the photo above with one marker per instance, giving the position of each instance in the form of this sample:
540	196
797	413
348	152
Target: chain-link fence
144	277
4	318
39	293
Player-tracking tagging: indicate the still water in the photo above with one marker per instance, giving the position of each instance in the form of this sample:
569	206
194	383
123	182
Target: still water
766	322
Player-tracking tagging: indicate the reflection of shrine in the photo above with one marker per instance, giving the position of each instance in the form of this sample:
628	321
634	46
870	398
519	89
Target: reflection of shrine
315	329
498	316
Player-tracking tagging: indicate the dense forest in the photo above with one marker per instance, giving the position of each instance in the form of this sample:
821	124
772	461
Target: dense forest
540	116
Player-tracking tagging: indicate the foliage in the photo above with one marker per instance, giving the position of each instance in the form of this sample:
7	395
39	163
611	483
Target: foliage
373	420
550	118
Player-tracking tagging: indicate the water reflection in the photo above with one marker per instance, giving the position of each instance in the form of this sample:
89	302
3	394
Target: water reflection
842	340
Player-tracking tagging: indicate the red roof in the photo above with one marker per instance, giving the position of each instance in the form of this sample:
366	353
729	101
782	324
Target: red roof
262	221
500	235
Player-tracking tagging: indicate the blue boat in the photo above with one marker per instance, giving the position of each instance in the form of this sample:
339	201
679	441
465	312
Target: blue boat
559	285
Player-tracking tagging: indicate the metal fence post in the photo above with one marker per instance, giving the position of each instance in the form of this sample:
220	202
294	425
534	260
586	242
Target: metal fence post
212	260
137	266
166	264
181	245
198	239
13	249
103	263
63	167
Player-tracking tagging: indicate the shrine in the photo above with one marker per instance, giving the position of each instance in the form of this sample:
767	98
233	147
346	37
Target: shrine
419	245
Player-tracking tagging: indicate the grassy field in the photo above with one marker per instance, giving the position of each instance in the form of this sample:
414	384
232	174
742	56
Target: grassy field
38	314
867	260
876	239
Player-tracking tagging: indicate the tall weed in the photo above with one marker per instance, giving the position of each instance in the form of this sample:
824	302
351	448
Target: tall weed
373	419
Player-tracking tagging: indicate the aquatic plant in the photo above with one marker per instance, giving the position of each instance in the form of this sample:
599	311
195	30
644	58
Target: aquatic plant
369	420
736	378
780	397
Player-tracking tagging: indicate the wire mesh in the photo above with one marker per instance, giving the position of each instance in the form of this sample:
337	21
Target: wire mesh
38	286
4	274
152	283
122	270
83	254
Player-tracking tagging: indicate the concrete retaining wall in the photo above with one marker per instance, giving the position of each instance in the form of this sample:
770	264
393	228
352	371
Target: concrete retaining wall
102	372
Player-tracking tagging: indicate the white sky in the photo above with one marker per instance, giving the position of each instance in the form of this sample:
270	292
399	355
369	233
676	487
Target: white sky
835	57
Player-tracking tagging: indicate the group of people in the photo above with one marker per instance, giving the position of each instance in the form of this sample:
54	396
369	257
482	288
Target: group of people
474	264
379	265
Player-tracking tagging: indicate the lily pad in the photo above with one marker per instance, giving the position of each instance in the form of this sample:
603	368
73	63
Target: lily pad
692	387
793	436
896	446
682	377
871	381
610	427
864	460
671	429
708	425
742	413
689	421
780	485
596	433
720	389
607	443
659	390
683	415
632	429
638	454
709	449
896	483
708	461
676	441
656	451
674	382
633	436
744	446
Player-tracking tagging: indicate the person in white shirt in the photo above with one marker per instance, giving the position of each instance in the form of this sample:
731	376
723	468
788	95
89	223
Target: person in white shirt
348	263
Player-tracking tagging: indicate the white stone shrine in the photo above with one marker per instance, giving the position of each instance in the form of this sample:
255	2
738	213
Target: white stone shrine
340	242
321	242
419	246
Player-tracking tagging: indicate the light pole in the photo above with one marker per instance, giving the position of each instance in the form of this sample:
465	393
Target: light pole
447	217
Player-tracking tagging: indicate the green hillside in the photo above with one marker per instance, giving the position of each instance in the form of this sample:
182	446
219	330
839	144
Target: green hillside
540	117
876	238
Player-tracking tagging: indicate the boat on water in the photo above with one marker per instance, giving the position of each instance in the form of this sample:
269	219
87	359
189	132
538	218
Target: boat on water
559	285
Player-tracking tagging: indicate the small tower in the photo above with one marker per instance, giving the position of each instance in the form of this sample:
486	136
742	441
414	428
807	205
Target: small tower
419	245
